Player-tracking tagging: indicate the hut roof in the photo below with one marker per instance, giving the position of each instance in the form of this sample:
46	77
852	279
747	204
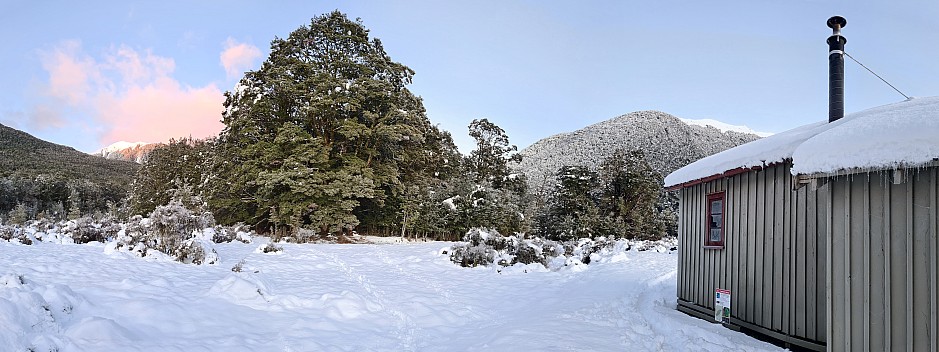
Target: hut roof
899	135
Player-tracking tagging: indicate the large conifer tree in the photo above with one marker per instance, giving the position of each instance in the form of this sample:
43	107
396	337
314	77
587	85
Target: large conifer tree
325	126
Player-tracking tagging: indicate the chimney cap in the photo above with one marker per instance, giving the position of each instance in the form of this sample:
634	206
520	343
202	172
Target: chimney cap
837	20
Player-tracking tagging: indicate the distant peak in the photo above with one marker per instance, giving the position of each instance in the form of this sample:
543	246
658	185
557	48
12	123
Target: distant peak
127	151
121	146
725	127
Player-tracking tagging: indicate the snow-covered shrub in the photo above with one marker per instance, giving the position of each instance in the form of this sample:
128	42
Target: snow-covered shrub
43	225
549	248
222	235
584	247
301	234
238	266
227	234
305	235
18	215
135	236
7	232
82	230
664	245
529	253
109	227
270	247
193	251
475	251
85	229
470	256
172	224
14	234
172	230
486	247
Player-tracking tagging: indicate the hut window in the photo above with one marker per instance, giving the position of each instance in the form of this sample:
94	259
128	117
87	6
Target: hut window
715	221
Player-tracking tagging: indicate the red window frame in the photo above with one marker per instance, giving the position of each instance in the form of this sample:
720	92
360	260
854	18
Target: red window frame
709	225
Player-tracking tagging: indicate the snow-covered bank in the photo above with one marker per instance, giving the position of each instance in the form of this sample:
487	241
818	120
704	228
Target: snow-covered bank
340	297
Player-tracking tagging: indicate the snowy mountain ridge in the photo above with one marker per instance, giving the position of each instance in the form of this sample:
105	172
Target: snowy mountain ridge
116	146
724	127
667	141
127	151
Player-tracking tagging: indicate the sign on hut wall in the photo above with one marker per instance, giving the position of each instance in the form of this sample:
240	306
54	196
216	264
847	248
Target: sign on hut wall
721	305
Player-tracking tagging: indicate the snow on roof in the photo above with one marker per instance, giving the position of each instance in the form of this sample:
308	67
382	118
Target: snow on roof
900	135
904	134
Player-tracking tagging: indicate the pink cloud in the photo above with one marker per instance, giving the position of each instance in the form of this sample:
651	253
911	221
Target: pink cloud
238	57
69	72
159	111
132	95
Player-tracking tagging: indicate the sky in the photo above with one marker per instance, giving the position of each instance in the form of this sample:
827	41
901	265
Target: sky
88	74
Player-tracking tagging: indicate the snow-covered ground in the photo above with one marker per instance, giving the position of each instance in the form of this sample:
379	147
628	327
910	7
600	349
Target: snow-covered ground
341	298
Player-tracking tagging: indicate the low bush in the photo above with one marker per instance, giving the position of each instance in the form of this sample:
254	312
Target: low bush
488	247
227	234
238	266
270	247
172	230
14	234
83	230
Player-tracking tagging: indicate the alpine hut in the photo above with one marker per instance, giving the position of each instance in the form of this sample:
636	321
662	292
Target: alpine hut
824	236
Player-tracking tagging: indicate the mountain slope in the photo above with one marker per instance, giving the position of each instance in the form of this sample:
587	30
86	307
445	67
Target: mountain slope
23	154
43	175
667	142
126	151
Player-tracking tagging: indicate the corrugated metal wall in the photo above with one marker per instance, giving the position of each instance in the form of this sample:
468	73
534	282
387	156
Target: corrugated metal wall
883	262
774	259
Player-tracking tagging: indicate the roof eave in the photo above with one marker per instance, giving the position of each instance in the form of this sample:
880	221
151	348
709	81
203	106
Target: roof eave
728	173
802	177
861	170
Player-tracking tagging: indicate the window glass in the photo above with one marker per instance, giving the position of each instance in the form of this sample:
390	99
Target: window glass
717	206
715	222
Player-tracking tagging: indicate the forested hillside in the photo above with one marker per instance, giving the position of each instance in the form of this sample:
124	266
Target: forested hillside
46	177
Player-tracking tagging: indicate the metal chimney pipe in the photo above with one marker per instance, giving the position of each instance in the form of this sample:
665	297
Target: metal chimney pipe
836	68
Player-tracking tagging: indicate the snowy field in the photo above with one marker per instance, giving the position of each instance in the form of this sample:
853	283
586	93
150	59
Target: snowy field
390	297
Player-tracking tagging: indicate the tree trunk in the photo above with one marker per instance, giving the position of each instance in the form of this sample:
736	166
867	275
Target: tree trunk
403	224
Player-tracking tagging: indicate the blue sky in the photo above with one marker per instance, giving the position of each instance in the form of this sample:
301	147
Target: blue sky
86	74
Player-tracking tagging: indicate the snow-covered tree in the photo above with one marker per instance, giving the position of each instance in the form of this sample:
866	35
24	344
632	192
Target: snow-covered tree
486	193
176	166
18	215
630	193
365	136
572	210
299	186
493	152
620	199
